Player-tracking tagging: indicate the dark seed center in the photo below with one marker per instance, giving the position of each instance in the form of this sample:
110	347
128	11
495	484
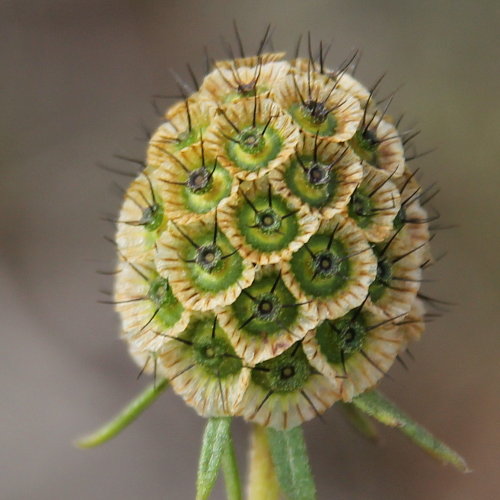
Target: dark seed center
246	88
318	174
268	220
316	110
208	256
287	372
265	306
198	179
325	264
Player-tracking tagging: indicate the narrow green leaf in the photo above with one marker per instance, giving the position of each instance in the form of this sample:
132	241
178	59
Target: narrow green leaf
125	417
289	454
359	421
230	469
377	406
215	438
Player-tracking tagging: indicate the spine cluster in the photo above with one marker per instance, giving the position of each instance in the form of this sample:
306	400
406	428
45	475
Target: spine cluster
271	251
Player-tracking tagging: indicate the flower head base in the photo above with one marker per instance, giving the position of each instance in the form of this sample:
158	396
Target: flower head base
271	251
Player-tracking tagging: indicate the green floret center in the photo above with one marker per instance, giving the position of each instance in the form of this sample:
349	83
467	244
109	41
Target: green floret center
205	188
152	217
314	117
266	307
285	373
342	338
254	147
211	348
314	182
212	266
384	275
267	223
361	208
365	145
163	300
321	266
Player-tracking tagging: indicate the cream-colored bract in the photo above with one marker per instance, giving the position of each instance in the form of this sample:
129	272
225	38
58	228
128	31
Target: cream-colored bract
343	165
363	269
229	221
134	239
172	266
319	90
287	410
385	204
255	348
362	370
173	176
234	117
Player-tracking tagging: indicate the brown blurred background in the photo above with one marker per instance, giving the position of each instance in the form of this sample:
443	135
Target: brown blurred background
76	80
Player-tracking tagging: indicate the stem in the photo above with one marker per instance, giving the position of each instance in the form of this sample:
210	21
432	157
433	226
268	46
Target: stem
262	481
230	469
214	443
125	417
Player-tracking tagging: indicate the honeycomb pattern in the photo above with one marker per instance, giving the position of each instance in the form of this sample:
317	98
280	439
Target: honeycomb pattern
271	250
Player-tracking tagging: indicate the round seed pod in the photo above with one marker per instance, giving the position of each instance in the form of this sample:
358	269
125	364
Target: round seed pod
333	270
232	82
251	137
318	107
398	278
321	176
194	184
286	390
203	368
203	268
263	225
377	143
149	310
186	122
412	219
266	319
355	351
374	204
141	220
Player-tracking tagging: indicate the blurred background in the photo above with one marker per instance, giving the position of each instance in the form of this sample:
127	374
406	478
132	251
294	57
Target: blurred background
76	80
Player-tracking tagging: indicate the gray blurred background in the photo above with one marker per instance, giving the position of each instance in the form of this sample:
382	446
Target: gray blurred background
76	80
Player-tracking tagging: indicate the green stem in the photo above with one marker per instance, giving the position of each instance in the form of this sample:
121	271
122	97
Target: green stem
262	481
230	469
125	417
213	446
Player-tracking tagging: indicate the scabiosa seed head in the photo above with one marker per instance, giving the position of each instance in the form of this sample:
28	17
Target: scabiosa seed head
271	251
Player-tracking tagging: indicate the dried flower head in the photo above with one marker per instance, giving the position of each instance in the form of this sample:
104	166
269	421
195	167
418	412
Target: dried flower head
270	258
271	251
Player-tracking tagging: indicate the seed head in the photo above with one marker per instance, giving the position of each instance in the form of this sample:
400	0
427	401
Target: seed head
271	251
